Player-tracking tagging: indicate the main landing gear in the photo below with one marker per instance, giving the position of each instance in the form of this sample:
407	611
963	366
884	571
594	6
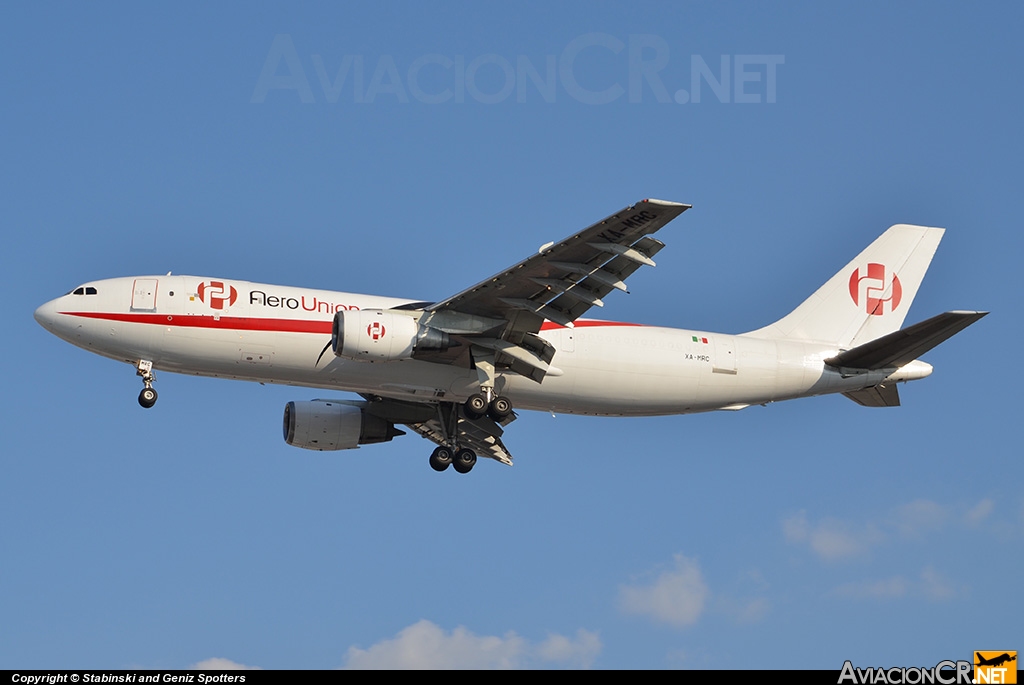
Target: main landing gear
463	459
147	398
441	458
477	406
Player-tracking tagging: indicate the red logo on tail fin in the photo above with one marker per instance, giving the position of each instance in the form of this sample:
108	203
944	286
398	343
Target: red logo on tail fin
868	290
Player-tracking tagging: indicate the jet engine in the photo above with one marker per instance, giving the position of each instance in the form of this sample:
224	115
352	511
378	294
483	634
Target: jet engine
383	335
334	425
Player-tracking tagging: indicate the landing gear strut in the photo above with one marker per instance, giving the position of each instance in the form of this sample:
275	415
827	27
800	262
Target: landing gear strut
147	398
486	402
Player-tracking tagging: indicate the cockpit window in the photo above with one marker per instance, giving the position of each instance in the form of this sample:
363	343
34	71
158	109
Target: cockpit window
90	291
83	290
79	291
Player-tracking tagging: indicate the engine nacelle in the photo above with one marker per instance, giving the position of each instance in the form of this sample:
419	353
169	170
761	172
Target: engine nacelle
382	335
333	425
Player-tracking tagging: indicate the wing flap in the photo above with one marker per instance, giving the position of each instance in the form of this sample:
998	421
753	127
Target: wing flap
532	364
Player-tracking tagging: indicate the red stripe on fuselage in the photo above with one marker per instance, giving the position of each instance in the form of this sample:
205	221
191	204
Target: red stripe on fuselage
234	323
251	323
581	323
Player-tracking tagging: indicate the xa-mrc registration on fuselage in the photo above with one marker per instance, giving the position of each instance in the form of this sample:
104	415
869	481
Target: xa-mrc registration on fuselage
454	370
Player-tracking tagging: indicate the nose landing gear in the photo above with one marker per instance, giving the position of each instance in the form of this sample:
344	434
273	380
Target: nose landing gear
147	398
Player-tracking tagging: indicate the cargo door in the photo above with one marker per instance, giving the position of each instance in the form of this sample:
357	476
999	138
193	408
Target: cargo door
144	295
724	360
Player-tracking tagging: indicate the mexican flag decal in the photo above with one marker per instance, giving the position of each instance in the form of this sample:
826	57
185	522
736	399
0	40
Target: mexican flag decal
700	340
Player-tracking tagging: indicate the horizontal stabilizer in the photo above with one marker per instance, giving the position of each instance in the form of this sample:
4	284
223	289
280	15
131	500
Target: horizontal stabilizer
878	396
904	346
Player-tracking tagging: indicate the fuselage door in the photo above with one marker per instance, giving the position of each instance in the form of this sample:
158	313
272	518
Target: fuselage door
724	360
568	340
144	295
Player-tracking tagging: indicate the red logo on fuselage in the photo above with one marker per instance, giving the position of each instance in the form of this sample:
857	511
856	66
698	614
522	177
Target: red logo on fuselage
376	331
216	295
868	289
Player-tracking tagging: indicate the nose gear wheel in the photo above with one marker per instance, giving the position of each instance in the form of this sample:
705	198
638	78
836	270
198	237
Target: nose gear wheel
144	368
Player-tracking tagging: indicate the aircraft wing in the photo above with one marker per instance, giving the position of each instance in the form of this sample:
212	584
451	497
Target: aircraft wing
503	313
483	436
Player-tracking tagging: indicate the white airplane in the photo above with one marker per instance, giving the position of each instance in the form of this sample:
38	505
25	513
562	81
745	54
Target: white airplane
453	370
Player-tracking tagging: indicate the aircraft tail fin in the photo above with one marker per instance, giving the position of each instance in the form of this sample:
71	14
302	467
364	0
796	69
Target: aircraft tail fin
869	297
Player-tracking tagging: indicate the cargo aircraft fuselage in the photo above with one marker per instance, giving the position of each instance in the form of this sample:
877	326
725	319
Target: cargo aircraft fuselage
453	370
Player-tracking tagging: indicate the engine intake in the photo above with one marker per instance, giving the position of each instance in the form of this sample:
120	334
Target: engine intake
383	335
334	425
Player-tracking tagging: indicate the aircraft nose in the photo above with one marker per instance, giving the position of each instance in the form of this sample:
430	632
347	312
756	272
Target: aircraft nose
46	315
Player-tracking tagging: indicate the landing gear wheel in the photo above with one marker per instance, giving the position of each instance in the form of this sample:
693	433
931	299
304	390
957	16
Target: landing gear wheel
500	408
144	370
147	398
441	458
465	460
475	407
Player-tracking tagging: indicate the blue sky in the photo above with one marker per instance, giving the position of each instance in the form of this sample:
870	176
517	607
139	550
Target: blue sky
147	139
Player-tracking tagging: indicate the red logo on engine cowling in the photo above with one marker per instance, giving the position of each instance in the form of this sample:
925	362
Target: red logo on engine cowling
868	289
376	331
215	294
